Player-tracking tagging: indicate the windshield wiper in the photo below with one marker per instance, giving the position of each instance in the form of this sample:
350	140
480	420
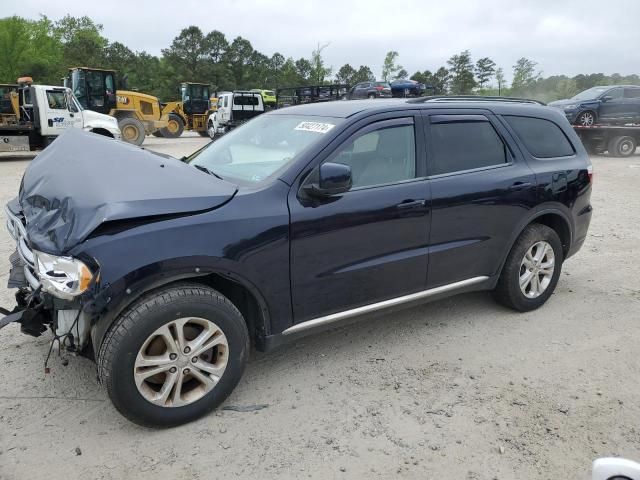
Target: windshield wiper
204	169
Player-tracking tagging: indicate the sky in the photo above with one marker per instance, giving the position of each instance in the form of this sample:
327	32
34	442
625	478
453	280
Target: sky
562	36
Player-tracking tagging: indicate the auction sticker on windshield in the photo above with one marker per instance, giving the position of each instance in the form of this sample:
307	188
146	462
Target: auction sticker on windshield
316	127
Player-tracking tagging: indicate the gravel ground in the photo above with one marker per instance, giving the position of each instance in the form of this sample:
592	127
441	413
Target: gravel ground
458	389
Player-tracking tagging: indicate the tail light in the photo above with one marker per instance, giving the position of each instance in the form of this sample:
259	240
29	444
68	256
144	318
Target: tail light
590	173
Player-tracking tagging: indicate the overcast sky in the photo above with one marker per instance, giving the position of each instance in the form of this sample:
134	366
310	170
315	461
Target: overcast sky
563	36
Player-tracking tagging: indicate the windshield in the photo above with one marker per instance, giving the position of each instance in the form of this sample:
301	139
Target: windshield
260	148
592	93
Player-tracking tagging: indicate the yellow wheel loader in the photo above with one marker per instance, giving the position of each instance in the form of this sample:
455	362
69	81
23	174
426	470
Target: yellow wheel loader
190	113
138	114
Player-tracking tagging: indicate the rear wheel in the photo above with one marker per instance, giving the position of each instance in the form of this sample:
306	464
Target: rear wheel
174	128
622	146
532	269
132	130
586	119
371	96
174	356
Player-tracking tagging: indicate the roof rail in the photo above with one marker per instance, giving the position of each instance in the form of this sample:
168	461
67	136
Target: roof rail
473	98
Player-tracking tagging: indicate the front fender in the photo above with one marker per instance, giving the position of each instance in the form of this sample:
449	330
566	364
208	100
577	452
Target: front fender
112	299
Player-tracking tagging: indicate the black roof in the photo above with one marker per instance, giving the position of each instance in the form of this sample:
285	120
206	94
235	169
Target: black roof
348	108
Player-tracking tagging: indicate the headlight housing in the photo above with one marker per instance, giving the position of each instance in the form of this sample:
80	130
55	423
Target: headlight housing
62	277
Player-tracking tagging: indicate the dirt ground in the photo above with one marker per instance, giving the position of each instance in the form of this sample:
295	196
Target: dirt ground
458	389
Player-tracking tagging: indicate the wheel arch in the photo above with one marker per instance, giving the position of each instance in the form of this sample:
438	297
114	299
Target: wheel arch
236	287
102	131
553	218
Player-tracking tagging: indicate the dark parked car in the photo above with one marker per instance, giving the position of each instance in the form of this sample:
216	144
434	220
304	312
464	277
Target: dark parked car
370	90
407	88
167	271
618	104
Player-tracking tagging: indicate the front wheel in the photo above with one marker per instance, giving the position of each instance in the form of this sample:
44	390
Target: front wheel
174	356
586	119
132	130
174	128
532	269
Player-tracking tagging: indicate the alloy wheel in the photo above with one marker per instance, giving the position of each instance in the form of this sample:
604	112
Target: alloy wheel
181	362
586	119
536	269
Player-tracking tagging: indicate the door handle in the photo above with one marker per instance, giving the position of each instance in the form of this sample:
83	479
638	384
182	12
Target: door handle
409	204
520	185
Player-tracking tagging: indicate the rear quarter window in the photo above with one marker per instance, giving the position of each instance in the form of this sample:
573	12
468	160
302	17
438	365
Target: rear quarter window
543	138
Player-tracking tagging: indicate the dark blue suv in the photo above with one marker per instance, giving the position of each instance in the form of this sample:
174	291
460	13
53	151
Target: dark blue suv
166	271
616	104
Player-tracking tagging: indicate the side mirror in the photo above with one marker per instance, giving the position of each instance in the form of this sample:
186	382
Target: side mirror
329	179
607	98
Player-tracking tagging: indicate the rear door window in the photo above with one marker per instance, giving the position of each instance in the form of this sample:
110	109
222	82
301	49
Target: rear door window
543	138
632	92
457	144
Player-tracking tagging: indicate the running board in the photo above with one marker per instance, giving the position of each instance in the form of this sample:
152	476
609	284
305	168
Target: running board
373	307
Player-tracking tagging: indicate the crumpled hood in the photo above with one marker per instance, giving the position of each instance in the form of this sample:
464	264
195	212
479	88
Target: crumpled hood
84	180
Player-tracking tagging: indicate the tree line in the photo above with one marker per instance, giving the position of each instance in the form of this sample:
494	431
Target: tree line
45	49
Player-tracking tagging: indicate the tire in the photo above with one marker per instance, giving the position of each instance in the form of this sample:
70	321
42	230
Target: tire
135	333
174	128
157	133
371	96
586	118
203	133
508	290
622	146
132	130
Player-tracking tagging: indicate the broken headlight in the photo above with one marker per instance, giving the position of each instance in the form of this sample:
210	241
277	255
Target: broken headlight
62	277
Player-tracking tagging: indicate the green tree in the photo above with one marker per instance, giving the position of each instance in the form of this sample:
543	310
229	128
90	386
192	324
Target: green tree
364	74
524	76
401	75
238	59
441	81
346	74
303	69
29	47
485	69
186	56
319	71
389	67
461	81
82	41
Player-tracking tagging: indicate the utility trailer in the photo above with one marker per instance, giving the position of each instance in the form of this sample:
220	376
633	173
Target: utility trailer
288	96
618	140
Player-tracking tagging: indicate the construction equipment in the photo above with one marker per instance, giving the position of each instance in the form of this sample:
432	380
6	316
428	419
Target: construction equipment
137	113
190	113
32	116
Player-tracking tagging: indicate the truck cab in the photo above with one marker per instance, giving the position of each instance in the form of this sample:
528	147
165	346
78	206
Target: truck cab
45	111
234	109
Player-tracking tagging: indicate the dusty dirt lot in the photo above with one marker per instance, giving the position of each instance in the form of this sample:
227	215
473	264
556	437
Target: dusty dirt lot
458	389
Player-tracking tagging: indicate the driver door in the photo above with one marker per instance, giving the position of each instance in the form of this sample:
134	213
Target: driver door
58	117
370	243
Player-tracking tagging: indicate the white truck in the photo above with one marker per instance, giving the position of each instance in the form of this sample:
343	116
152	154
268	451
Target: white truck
34	115
234	108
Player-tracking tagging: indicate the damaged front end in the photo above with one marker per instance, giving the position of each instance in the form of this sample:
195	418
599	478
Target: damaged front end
47	292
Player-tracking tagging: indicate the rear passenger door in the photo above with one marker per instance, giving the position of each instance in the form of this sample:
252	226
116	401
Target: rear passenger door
632	99
481	188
